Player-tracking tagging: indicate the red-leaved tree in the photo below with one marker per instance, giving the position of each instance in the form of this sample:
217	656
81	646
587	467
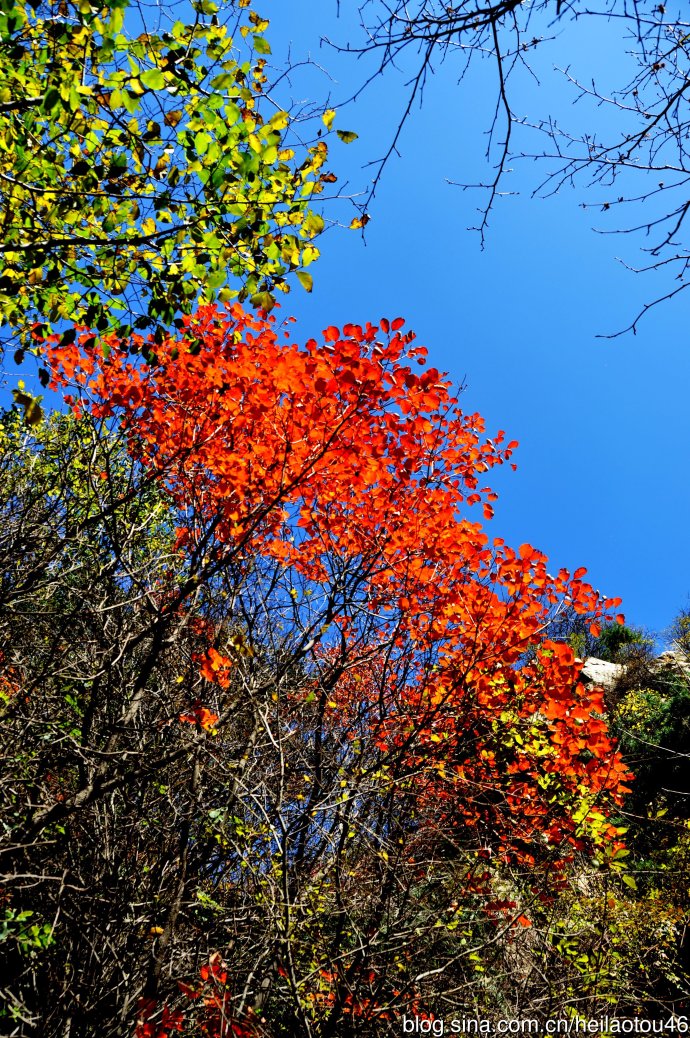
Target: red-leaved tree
391	766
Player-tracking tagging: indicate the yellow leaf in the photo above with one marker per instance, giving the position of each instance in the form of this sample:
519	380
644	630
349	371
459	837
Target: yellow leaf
260	24
360	221
33	412
279	121
328	117
240	644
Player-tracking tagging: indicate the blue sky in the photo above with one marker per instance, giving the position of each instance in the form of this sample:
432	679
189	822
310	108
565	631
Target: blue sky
603	424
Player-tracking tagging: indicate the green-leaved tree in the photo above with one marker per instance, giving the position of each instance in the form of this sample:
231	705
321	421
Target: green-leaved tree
144	171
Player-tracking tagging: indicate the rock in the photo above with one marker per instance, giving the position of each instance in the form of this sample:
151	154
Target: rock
673	659
601	672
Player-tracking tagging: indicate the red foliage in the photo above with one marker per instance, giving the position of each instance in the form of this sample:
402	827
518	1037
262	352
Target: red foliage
151	1024
216	668
200	715
340	451
215	1017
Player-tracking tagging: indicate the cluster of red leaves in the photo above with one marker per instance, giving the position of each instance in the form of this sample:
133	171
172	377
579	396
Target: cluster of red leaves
200	715
326	995
517	759
248	425
9	680
540	741
342	451
216	668
213	1018
216	1018
152	1023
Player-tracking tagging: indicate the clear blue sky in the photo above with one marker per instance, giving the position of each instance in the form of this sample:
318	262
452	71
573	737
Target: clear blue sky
603	425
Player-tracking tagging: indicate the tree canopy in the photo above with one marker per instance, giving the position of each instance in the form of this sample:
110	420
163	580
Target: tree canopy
143	170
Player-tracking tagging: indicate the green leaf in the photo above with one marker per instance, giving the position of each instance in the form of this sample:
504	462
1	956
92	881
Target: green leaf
313	224
117	19
261	45
263	301
223	81
231	113
130	101
347	136
216	279
201	142
305	280
51	100
153	79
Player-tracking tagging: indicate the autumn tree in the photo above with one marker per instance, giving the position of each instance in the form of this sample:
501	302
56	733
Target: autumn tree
287	748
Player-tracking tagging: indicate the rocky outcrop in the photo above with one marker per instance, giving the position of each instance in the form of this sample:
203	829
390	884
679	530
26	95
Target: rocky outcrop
601	672
605	674
673	659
